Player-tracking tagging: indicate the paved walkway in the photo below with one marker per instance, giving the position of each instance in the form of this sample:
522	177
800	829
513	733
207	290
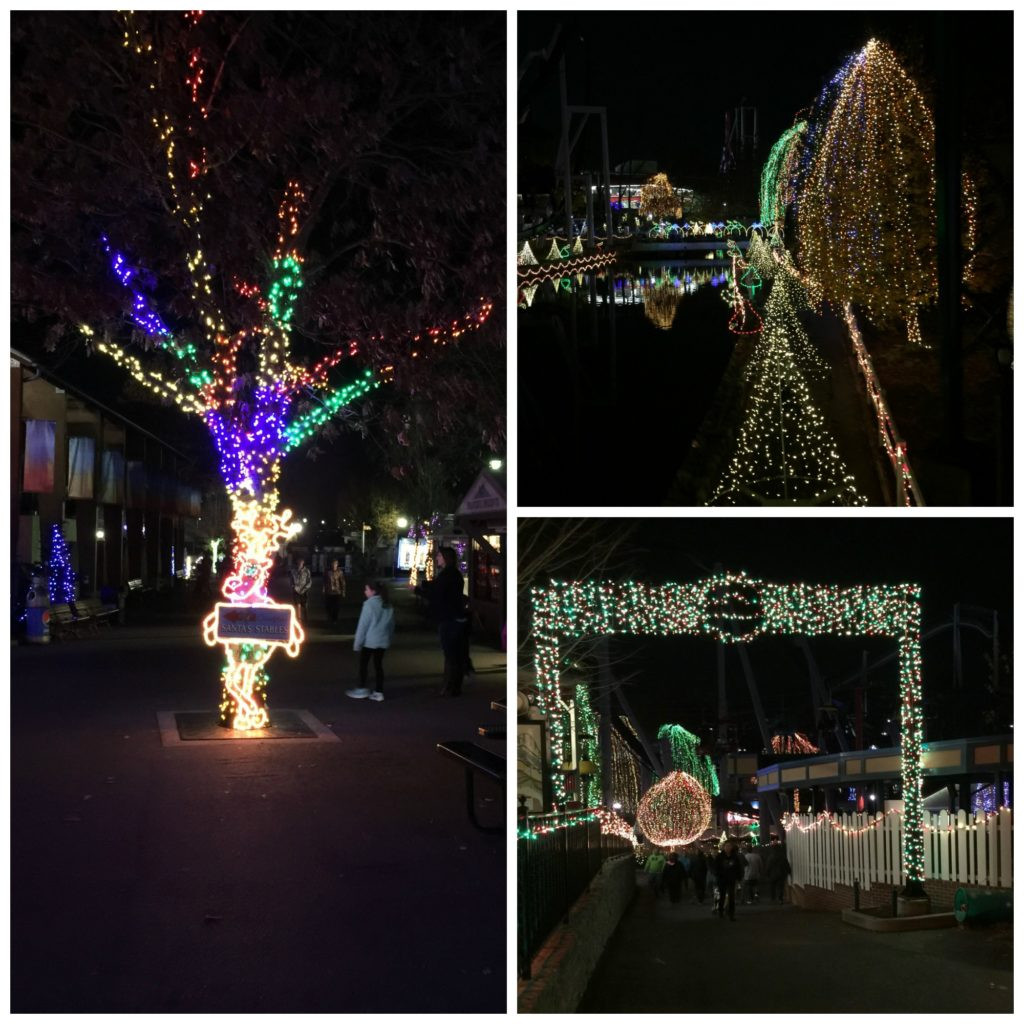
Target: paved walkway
678	958
249	877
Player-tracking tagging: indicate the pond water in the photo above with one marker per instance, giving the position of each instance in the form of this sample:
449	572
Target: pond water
617	371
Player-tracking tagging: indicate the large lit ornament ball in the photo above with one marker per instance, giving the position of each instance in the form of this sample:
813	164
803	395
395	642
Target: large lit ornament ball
675	811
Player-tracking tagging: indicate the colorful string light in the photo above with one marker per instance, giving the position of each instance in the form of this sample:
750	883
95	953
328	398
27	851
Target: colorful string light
658	199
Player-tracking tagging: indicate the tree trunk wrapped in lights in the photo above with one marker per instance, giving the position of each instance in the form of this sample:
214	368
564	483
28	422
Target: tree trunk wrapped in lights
256	403
867	194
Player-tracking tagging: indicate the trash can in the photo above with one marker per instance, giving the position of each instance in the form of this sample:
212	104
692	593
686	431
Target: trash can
980	906
37	608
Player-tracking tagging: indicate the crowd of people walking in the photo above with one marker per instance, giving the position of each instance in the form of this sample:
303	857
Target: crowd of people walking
718	871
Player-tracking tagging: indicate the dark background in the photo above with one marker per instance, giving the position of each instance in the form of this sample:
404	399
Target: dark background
674	679
667	79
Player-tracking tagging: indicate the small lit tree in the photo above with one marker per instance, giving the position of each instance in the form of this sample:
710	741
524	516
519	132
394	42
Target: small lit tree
62	579
658	200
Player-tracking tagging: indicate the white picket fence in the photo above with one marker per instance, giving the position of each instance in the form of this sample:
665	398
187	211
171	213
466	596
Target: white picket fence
970	849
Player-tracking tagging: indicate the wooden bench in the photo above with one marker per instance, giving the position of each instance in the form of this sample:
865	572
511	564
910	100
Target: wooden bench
475	759
99	613
68	620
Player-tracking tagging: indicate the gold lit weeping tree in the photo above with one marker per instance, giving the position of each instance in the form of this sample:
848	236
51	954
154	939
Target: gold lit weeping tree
866	212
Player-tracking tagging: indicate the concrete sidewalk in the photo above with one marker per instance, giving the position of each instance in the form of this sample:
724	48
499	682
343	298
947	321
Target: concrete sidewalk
678	958
264	876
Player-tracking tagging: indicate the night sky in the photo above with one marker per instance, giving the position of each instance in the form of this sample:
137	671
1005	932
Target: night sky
668	78
954	560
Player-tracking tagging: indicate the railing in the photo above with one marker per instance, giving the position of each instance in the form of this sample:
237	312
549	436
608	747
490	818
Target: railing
907	491
830	850
558	855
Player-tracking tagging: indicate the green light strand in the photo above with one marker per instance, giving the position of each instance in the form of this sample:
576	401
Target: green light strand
685	758
286	282
301	429
776	176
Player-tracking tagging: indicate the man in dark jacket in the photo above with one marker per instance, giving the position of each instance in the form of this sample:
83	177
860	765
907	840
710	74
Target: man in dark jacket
699	873
672	877
448	607
777	870
728	870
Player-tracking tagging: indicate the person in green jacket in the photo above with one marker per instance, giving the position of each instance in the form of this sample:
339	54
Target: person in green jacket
653	867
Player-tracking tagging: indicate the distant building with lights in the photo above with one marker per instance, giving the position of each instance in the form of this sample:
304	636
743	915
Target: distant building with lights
127	503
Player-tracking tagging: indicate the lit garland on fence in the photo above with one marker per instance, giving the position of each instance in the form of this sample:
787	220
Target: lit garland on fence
546	272
895	446
674	811
791	821
569	610
867	241
251	416
685	758
572	819
784	454
613	824
61	581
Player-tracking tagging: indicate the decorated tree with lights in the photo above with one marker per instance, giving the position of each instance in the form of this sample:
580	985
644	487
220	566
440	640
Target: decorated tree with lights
658	200
62	580
867	194
231	363
784	452
402	226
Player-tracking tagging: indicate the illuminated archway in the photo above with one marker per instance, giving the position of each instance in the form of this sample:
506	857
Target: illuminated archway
733	608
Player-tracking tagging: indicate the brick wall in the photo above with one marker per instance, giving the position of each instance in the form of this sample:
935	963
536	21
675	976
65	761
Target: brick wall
561	970
810	897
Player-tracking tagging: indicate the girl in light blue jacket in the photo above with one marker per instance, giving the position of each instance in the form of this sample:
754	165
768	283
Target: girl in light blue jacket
373	637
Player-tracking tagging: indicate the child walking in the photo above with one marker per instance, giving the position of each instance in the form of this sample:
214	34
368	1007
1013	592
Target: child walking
374	631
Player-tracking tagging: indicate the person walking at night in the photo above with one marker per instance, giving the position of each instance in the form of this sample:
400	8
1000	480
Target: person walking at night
728	870
654	866
302	580
699	873
448	607
752	876
334	590
374	632
672	877
777	870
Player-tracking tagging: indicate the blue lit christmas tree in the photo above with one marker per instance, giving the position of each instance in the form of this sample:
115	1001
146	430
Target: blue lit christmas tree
62	576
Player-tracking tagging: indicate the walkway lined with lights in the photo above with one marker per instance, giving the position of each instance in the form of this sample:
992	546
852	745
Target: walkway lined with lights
678	958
